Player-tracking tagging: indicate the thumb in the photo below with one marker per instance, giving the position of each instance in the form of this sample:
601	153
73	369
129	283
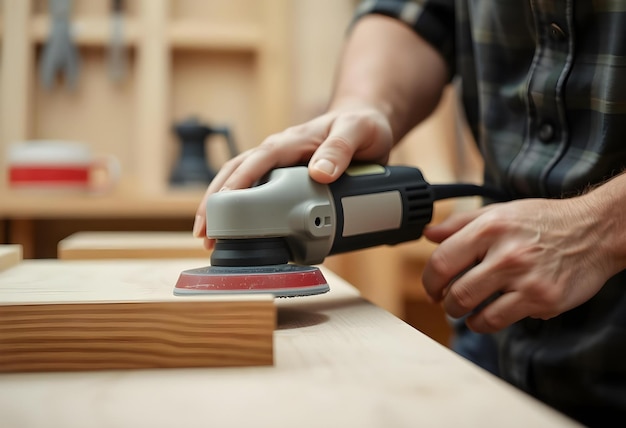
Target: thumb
360	136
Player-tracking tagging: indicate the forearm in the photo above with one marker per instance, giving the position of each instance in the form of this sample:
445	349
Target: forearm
387	65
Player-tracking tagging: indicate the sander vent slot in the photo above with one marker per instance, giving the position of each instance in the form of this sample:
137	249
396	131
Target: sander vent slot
419	204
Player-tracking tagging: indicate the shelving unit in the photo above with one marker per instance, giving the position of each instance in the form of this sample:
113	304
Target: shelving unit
236	54
226	62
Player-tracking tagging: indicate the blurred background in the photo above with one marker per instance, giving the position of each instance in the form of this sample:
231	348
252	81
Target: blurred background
115	113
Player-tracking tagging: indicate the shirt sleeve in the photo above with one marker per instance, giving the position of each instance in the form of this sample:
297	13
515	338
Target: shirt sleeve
433	20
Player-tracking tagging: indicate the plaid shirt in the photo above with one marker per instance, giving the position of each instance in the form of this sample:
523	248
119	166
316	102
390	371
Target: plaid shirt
544	91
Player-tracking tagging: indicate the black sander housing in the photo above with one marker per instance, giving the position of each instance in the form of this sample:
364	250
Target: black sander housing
267	236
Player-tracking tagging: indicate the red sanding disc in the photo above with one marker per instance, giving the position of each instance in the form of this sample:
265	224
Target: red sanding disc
280	280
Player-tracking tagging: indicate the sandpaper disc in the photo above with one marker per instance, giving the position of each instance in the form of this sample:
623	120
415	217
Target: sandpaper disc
279	280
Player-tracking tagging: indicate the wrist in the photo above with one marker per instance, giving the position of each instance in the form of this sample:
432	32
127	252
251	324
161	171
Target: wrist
605	205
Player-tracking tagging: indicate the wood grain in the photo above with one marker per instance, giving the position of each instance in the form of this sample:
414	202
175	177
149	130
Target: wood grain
131	245
119	314
92	336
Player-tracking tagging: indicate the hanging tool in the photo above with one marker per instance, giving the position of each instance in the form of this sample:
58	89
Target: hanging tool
60	55
117	62
289	217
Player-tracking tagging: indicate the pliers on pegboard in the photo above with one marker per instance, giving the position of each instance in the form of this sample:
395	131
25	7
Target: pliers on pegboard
60	55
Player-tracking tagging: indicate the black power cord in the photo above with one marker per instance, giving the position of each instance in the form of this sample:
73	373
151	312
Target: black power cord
447	191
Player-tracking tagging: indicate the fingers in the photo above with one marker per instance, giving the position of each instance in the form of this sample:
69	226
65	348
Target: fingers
208	243
470	290
226	171
449	261
439	232
487	299
470	280
276	151
524	253
350	134
199	225
501	312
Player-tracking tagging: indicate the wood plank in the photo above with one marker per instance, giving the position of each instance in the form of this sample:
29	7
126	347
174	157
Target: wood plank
131	245
93	336
113	314
10	255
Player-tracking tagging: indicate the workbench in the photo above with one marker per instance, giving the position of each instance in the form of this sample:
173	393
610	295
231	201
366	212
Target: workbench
339	361
73	212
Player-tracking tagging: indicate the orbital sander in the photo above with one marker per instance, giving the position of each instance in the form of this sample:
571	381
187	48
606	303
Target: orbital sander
269	236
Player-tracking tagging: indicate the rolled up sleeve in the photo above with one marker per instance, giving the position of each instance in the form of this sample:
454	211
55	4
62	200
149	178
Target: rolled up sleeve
433	20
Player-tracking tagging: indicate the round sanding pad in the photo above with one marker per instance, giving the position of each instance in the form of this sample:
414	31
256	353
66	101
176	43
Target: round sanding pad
280	280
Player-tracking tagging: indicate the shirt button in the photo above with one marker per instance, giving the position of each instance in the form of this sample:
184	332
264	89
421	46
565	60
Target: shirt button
546	132
557	33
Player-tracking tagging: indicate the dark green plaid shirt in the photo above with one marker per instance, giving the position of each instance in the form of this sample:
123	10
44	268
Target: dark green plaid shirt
544	91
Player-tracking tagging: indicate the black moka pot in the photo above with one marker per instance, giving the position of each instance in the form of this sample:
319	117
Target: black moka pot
193	167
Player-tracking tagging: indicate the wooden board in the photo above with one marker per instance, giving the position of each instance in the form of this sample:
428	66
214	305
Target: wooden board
131	245
90	315
10	255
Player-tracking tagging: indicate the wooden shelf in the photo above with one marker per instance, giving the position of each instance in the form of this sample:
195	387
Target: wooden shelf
96	32
89	32
186	60
220	37
226	62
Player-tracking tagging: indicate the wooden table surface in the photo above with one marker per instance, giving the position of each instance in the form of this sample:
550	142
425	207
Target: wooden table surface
339	361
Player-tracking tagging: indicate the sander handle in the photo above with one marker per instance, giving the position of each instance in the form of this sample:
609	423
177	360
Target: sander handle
379	205
386	205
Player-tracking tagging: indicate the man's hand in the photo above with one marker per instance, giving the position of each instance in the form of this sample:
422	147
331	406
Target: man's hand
537	258
328	143
389	79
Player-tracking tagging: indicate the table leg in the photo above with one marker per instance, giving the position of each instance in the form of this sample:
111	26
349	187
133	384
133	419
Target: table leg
22	231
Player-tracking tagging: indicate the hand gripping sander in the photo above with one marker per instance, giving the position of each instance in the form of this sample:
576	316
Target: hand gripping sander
268	236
